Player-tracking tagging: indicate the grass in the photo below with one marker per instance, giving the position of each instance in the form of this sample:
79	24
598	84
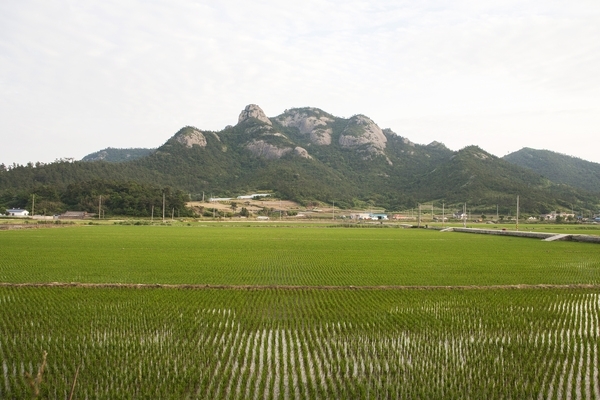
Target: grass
233	255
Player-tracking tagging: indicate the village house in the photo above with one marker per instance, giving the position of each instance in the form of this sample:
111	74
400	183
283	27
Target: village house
553	215
17	212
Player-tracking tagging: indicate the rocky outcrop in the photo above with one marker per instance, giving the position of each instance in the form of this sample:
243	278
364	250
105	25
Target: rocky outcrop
99	156
260	148
408	142
321	136
191	137
365	136
301	152
117	155
361	131
310	122
253	111
437	145
481	156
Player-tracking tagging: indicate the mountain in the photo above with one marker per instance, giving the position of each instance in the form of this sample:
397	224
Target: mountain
111	154
559	168
485	179
307	154
303	154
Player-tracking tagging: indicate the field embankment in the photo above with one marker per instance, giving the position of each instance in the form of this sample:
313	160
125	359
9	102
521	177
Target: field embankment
530	234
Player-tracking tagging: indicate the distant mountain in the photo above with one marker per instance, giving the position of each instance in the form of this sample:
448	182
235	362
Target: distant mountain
307	154
117	155
559	168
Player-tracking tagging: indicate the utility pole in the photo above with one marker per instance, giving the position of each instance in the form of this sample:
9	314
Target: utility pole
333	211
443	215
172	214
419	225
517	212
203	196
497	217
465	215
33	206
163	207
152	214
100	208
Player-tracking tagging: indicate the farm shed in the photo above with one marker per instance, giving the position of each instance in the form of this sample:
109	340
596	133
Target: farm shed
379	217
360	216
17	212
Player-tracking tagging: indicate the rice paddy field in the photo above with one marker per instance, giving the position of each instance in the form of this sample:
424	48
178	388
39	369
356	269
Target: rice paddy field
300	312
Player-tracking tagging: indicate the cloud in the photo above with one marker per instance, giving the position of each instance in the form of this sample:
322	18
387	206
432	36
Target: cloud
82	76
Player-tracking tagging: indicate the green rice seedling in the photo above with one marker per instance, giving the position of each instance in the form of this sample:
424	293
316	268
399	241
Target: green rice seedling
297	257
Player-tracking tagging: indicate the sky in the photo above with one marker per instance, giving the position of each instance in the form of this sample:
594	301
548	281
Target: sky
77	76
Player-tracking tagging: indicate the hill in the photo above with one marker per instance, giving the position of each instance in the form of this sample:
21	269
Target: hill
306	155
111	154
559	168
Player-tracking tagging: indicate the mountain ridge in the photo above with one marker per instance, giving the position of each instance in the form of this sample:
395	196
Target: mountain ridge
560	168
307	154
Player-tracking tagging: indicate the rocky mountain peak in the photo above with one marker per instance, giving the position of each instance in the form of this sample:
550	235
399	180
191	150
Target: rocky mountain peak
361	130
310	122
253	111
438	145
190	136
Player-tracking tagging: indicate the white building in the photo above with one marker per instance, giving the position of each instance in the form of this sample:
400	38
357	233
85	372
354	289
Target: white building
378	217
361	216
552	216
251	196
17	212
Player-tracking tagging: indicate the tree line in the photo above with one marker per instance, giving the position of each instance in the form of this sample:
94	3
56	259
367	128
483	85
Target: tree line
126	198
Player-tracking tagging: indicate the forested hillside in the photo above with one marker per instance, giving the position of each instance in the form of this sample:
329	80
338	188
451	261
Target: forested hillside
559	168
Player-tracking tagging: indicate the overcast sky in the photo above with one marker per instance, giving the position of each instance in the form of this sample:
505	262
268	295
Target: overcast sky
80	76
